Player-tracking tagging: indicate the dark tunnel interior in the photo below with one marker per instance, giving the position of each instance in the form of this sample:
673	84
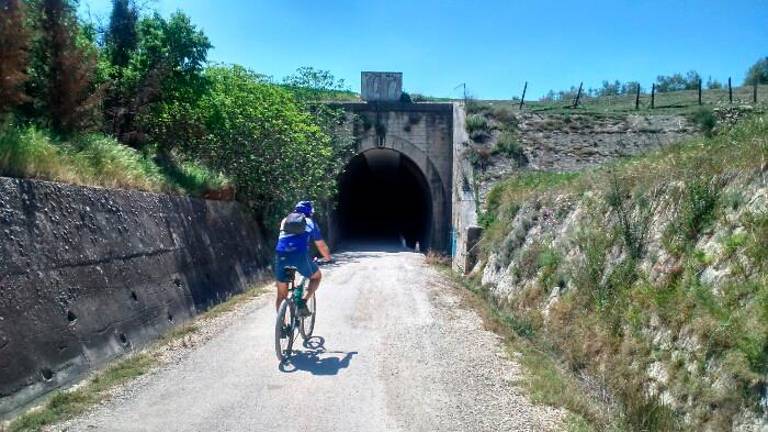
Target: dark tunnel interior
383	197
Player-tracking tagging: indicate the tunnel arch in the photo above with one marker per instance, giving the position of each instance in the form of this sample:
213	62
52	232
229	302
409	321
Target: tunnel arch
423	134
384	196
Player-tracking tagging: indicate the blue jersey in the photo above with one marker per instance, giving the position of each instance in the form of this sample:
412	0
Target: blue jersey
289	243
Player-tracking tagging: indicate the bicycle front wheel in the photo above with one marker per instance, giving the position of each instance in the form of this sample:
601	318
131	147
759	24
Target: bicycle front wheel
308	323
284	331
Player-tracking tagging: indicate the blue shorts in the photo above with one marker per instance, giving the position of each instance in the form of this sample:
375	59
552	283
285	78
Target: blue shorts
300	260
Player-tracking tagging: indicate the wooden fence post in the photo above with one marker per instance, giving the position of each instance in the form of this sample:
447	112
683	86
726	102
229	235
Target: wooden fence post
637	97
578	95
699	91
653	95
754	92
522	98
730	91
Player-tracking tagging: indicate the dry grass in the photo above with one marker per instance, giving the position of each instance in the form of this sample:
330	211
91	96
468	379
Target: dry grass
437	258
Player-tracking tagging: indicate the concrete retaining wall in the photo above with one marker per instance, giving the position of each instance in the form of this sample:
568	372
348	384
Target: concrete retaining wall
88	274
464	195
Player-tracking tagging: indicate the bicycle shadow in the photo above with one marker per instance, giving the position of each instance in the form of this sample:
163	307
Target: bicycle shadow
310	360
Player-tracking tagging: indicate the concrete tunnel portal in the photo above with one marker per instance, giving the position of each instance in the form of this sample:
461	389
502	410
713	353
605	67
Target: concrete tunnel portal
399	184
384	197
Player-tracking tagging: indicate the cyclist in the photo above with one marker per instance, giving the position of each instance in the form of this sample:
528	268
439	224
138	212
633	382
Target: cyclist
292	250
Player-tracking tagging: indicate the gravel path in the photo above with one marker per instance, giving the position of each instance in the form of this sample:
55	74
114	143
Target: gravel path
395	352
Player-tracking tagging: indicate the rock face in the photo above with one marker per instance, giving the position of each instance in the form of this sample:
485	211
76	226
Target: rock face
88	274
558	240
572	142
568	143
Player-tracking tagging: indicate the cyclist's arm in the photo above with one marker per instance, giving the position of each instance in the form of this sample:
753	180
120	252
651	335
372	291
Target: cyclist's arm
322	247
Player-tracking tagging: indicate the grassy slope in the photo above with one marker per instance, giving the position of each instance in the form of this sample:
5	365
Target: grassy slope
600	325
97	160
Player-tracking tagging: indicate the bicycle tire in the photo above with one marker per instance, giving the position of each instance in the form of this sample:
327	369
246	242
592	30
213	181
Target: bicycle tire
284	318
307	326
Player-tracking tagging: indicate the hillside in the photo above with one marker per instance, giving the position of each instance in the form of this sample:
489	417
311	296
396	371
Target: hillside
646	278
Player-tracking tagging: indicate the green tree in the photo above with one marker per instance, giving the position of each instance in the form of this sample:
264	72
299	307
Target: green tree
14	46
262	138
164	80
713	84
311	87
758	72
308	83
607	89
122	35
630	87
68	66
676	82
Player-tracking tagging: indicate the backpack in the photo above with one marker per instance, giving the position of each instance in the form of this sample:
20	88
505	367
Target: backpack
295	223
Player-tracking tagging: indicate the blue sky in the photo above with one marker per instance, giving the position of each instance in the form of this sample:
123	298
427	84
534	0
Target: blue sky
492	45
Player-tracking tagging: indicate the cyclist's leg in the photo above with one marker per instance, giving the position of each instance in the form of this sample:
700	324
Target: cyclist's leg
309	268
282	293
314	283
281	278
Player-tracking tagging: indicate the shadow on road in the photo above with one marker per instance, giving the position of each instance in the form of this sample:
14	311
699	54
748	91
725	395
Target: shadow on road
316	360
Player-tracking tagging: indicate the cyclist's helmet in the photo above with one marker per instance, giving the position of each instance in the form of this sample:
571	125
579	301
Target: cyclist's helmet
305	207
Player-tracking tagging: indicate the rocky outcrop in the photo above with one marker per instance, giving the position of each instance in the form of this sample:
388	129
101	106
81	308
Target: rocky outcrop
573	142
670	318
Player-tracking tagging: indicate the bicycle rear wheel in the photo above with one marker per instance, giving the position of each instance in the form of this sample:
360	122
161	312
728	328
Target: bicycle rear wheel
307	325
284	331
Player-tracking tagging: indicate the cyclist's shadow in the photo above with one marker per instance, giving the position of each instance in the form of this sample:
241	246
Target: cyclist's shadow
309	360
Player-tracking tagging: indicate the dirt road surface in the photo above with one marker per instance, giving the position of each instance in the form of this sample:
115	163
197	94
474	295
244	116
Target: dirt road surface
394	351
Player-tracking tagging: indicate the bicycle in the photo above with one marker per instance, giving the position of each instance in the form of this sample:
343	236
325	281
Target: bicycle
288	319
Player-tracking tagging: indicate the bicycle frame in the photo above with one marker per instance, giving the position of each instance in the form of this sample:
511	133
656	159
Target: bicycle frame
295	292
288	312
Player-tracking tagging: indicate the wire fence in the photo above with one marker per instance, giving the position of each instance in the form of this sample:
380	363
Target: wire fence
644	99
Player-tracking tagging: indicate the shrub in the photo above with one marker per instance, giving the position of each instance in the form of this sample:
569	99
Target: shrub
260	136
678	82
505	116
634	213
696	212
476	122
507	145
705	120
757	72
479	157
473	106
714	84
480	136
193	177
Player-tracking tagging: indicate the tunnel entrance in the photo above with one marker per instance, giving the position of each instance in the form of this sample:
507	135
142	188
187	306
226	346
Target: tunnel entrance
383	197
